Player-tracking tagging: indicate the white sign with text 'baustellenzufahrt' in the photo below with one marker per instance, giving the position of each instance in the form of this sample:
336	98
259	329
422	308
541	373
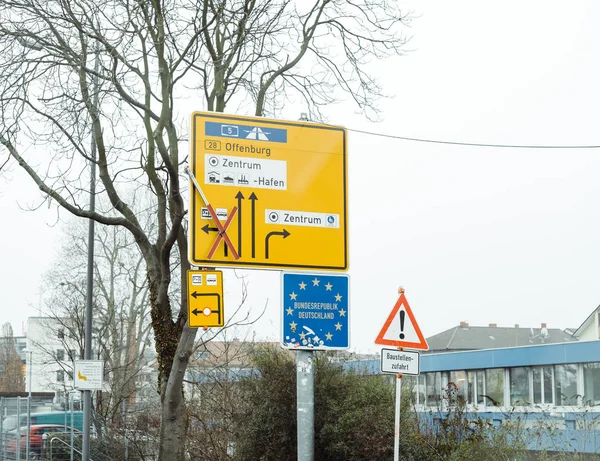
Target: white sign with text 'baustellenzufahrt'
397	361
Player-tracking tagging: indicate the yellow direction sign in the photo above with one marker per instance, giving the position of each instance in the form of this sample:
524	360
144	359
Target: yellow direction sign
268	193
205	299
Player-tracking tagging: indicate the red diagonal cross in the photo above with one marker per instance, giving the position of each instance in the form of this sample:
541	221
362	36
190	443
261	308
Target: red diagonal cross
222	232
221	228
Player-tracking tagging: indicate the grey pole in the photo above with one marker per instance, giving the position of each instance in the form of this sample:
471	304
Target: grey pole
87	351
18	435
305	391
2	441
397	417
72	424
29	370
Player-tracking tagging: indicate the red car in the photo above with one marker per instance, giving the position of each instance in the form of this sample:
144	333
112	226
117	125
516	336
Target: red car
36	437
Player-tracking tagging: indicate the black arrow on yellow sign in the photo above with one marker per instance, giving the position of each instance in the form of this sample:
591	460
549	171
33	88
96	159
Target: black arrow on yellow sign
197	311
208	229
284	233
253	198
239	196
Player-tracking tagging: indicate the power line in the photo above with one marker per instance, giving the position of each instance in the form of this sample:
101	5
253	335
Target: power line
474	144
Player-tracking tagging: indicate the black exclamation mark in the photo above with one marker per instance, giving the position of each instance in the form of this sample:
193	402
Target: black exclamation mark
402	314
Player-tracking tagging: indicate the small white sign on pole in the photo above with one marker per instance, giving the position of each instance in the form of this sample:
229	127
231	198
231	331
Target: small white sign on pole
88	375
397	361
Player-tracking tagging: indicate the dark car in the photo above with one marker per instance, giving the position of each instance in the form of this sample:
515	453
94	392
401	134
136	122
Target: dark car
36	437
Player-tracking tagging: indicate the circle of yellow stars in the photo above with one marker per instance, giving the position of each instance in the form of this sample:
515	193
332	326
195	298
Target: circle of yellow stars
328	287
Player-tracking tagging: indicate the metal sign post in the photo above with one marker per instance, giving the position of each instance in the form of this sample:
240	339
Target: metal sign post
397	417
305	405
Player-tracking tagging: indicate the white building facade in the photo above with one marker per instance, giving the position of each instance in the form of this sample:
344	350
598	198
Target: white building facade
49	355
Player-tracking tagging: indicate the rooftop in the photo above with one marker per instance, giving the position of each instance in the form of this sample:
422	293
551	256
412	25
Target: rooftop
465	337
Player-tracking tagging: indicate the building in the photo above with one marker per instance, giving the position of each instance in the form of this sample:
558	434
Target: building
53	344
589	330
465	337
545	381
50	353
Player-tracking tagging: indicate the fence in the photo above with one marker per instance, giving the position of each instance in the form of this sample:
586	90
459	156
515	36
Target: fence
31	429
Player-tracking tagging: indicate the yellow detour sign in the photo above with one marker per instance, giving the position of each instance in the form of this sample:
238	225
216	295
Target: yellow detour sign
268	193
205	299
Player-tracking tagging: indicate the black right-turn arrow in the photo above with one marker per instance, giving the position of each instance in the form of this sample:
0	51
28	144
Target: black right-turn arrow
271	234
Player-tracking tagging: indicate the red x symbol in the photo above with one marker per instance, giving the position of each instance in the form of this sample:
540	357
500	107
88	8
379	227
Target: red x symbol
222	232
221	228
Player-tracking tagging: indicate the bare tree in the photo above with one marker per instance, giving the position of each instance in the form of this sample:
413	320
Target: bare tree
119	73
11	366
121	329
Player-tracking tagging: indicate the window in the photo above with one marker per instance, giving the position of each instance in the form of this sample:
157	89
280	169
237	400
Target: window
565	384
475	389
420	390
61	333
519	386
591	383
542	385
72	356
60	354
70	375
411	384
60	376
433	386
459	380
494	387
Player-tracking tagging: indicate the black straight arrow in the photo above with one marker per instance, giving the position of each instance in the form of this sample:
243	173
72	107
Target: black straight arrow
239	198
254	198
271	234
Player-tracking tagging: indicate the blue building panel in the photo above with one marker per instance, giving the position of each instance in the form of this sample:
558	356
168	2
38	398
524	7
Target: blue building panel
550	354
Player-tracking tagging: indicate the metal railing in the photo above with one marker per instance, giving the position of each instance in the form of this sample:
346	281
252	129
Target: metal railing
71	447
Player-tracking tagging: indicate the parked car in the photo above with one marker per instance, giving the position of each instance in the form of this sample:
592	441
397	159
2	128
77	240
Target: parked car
36	438
66	418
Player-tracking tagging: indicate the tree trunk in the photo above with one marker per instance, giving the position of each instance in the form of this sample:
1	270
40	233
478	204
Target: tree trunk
174	342
174	419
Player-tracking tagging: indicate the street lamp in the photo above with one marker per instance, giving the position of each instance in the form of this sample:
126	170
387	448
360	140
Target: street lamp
29	370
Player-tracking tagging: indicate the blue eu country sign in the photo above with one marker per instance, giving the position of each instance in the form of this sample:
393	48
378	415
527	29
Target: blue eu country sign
315	311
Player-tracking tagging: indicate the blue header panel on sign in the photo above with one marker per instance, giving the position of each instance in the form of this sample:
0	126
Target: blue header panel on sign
254	133
315	311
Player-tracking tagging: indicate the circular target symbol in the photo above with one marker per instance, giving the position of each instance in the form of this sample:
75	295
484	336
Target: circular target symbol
213	161
273	217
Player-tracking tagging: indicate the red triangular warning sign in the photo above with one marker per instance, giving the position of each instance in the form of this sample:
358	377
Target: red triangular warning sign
401	328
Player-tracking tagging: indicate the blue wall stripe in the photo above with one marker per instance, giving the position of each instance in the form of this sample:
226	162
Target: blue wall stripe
547	354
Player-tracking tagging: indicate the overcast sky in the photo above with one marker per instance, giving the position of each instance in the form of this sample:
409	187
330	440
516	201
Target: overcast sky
477	234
